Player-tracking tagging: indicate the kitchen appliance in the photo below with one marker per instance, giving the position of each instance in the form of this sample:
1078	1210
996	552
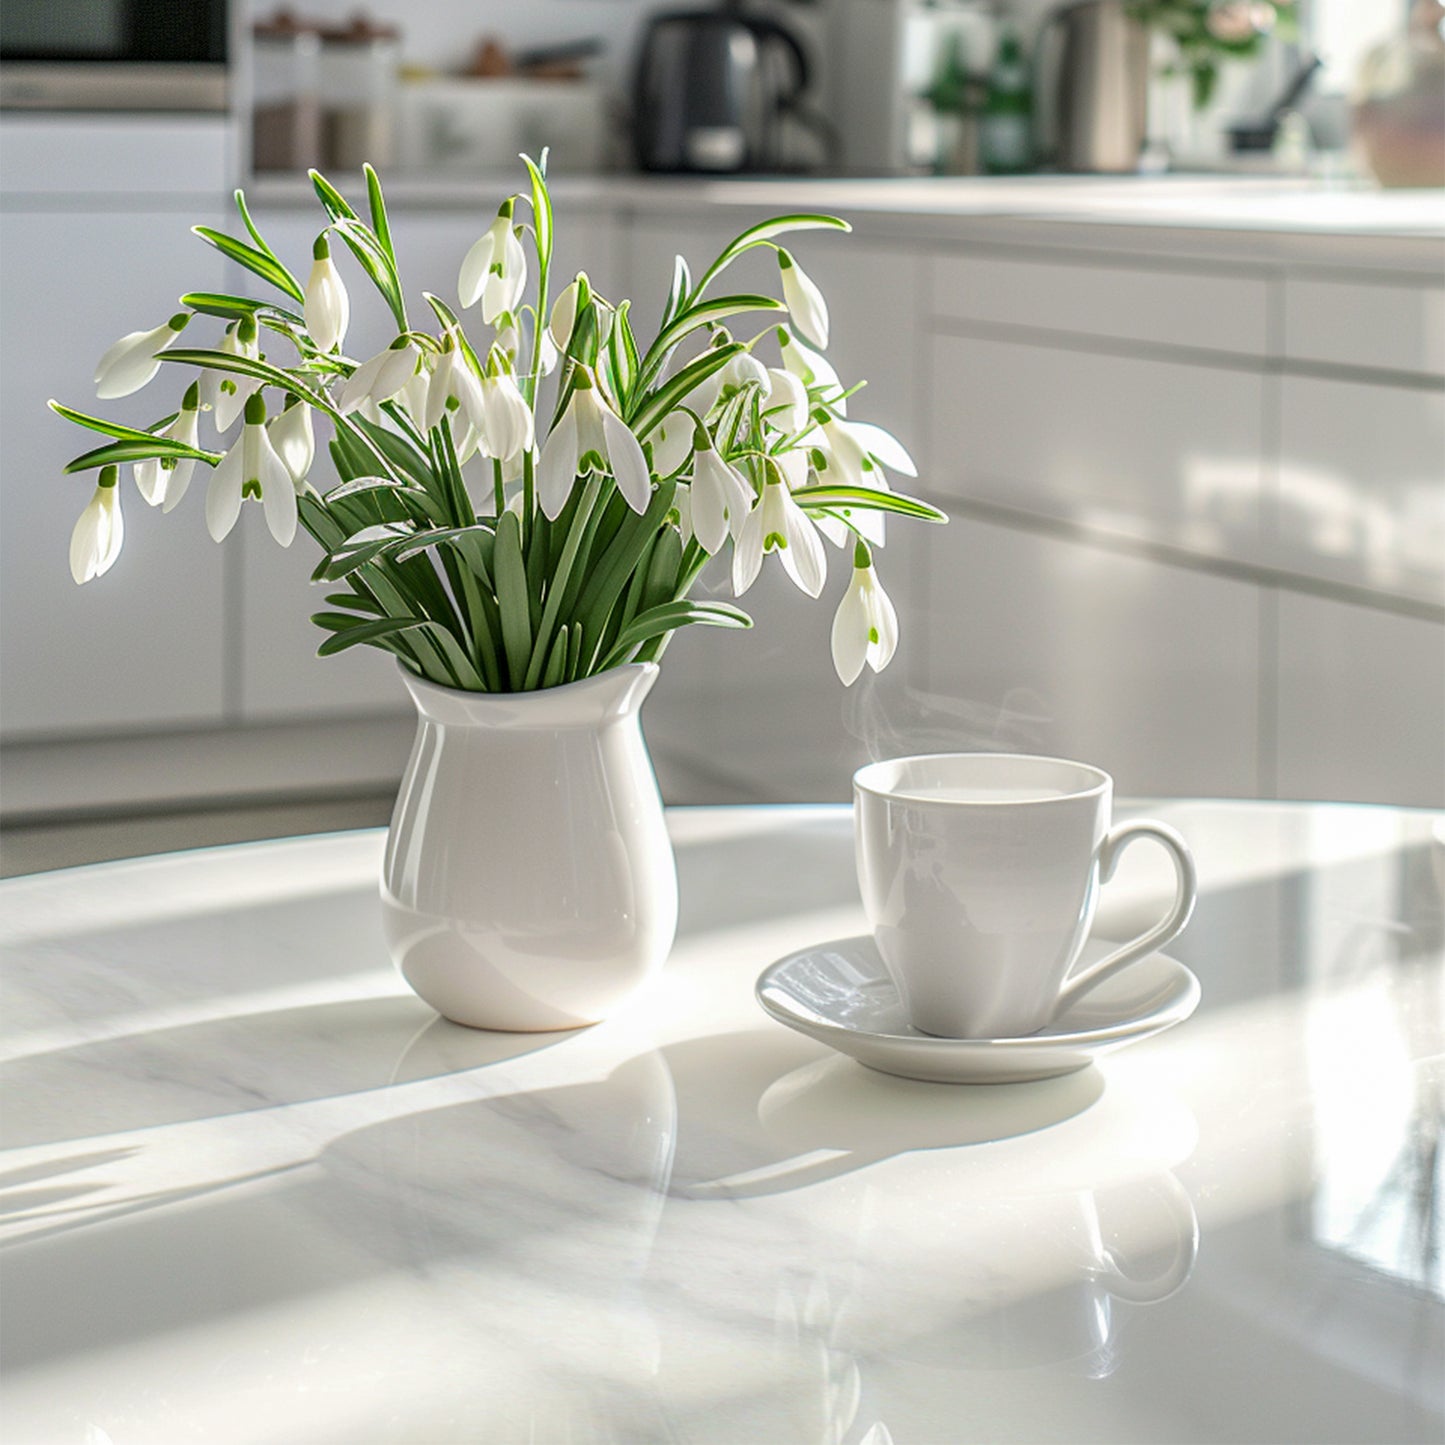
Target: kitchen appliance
1098	92
712	90
114	55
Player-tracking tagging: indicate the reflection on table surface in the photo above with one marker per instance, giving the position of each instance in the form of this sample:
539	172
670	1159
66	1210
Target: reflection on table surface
253	1190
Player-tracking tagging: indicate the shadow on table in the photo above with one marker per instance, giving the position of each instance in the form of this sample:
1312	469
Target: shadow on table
241	1063
765	1112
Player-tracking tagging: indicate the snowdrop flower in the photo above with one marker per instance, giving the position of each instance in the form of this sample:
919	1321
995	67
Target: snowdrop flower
779	524
804	301
379	378
590	435
252	469
413	396
787	402
720	497
507	426
854	450
494	271
672	443
865	627
328	308
810	367
295	440
134	359
226	395
95	542
163	481
565	309
738	371
453	379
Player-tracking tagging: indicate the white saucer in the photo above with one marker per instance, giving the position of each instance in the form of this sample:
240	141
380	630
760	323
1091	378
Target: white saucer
840	994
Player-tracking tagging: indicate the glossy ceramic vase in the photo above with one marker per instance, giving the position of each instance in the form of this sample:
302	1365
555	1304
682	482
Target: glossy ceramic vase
529	881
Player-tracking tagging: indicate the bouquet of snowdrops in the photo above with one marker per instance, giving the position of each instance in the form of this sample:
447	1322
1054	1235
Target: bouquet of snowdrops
480	559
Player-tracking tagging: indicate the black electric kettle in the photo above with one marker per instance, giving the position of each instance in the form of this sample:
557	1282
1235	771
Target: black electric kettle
711	90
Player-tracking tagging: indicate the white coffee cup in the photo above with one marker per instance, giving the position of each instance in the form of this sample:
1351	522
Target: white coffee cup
980	874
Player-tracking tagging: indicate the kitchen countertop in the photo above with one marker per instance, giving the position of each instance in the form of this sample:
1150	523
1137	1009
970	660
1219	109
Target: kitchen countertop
1270	218
255	1191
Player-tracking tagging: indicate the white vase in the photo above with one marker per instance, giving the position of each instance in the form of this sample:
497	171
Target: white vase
529	881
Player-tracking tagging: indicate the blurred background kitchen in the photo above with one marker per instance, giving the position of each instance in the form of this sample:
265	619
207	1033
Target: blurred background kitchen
1154	292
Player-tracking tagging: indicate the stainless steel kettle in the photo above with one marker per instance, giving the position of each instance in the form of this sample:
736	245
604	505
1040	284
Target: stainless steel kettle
711	90
1097	101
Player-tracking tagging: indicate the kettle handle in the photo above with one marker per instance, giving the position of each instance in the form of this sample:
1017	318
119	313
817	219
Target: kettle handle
766	29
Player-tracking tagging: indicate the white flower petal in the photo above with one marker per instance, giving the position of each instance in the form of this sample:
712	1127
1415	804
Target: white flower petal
557	468
96	540
358	385
131	362
748	551
475	266
294	439
629	466
223	494
711	494
885	622
439	388
788	401
147	476
278	493
175	482
805	304
672	443
803	558
327	308
884	445
229	405
850	632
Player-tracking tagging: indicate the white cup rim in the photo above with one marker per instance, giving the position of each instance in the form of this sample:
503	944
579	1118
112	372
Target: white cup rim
865	780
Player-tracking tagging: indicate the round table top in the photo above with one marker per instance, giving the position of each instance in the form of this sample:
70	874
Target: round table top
255	1191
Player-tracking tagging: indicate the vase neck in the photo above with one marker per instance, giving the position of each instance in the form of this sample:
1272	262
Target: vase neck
611	696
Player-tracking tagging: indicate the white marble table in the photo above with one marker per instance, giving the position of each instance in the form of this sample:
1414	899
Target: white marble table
253	1191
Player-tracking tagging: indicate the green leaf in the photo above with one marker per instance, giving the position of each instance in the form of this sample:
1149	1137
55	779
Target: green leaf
342	561
423	541
119	452
245	214
765	231
828	498
541	216
265	266
622	357
380	226
663	569
356	602
652	409
252	367
230	308
667	618
679	292
359	632
512	599
378	266
336	205
704	313
108	428
556	668
560	578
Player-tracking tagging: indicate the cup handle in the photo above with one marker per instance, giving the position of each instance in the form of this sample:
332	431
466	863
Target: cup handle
1184	1225
1170	927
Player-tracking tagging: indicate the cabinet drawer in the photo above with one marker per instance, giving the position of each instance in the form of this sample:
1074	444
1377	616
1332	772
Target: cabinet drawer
1362	485
1394	327
1157	450
1361	704
1044	645
1123	303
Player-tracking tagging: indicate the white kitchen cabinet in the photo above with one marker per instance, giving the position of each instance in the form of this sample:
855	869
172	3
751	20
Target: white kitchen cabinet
1368	323
144	645
1039	644
1361	485
1361	704
1123	301
1142	448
